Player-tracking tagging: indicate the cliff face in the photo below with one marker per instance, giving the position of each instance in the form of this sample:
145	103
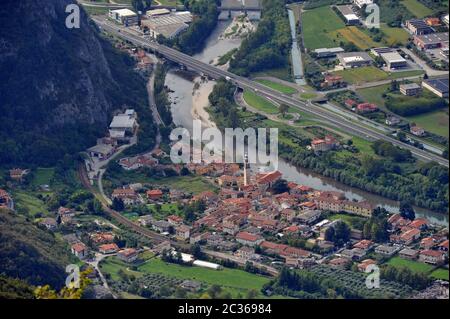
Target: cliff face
54	81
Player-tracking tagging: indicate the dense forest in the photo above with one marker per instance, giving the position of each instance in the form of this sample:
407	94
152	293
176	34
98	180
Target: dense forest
269	46
161	96
30	253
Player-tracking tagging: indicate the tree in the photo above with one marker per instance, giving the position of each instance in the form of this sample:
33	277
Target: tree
283	109
280	186
118	204
252	294
214	291
407	211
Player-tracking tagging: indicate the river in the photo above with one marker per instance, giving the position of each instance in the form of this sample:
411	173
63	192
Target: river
182	86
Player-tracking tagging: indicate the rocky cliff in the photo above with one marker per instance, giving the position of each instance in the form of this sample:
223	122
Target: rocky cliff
58	86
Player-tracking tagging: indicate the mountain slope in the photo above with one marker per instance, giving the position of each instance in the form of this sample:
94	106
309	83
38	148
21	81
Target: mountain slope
58	86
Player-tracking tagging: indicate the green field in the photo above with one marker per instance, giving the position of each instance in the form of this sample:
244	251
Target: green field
440	274
374	94
43	176
417	8
354	35
233	280
436	122
349	219
28	203
373	74
317	26
189	184
259	102
394	36
278	86
410	264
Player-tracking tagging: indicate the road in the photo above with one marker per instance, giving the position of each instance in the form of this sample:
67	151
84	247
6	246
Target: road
352	127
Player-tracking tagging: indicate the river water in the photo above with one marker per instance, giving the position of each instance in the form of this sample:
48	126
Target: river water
182	86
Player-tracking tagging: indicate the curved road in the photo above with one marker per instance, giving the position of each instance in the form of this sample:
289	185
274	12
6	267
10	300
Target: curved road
332	118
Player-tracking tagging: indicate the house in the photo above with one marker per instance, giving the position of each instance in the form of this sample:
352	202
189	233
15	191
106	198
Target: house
154	194
108	248
339	263
65	212
427	243
127	195
332	80
408	253
409	236
438	86
128	255
247	253
146	220
354	59
417	131
362	266
363	208
397	221
18	174
248	239
6	200
102	238
175	220
124	16
191	285
431	41
182	232
269	179
323	145
392	120
161	226
410	89
362	108
443	246
79	249
364	244
49	223
353	254
419	223
386	250
433	257
418	27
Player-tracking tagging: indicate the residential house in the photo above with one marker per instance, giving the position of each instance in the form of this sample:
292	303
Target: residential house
108	248
248	239
182	232
161	226
154	194
433	257
49	223
362	266
386	250
325	144
127	195
340	263
79	249
309	217
362	108
18	174
417	131
408	253
128	255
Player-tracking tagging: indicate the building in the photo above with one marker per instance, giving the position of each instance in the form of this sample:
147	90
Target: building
161	226
248	239
433	257
410	89
154	194
160	22
6	200
361	3
417	131
124	16
182	232
408	253
431	41
127	195
445	19
386	250
433	21
409	236
332	80
128	255
362	208
378	51
323	145
79	249
157	12
437	86
354	59
18	174
328	52
49	223
349	15
123	125
394	60
362	266
418	27
309	217
108	248
392	120
362	108
101	151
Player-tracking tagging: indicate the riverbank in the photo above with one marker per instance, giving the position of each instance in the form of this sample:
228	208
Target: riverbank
200	101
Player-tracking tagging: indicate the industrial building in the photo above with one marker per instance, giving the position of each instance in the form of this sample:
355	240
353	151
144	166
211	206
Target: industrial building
354	59
166	23
394	60
418	27
124	16
437	86
328	52
349	15
431	41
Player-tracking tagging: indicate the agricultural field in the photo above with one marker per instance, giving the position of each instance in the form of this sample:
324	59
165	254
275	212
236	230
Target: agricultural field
417	8
29	204
372	74
440	274
374	94
410	264
436	122
318	24
42	176
259	102
394	36
278	86
354	35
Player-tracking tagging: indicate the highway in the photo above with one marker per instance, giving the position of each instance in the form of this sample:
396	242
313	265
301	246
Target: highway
352	127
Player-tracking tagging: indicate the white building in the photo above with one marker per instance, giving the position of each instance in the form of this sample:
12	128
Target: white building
123	124
124	16
361	3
